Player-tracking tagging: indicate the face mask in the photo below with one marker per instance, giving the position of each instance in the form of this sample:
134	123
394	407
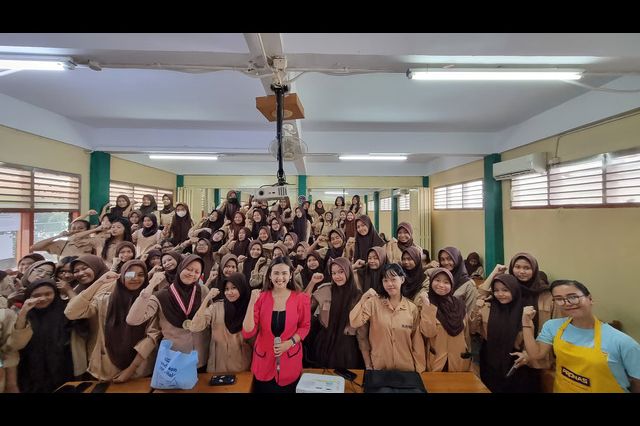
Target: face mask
181	213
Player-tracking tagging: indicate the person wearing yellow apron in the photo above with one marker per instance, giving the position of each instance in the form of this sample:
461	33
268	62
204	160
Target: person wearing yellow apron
591	356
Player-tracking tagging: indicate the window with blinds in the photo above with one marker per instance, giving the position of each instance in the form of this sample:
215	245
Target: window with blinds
576	183
623	179
27	188
598	181
404	202
467	195
136	192
385	204
370	206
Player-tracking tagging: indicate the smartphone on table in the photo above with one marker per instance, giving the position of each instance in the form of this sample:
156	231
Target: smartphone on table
222	380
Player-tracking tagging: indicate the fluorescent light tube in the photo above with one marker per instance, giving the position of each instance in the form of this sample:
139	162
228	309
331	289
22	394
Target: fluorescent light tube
373	157
336	193
8	62
182	157
494	74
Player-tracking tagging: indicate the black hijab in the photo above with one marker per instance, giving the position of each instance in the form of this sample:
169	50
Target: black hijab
152	207
234	312
180	226
300	223
120	338
451	310
168	209
46	362
241	248
117	210
505	322
216	224
147	232
331	347
334	253
372	278
416	276
250	262
232	205
364	243
170	306
531	289
307	273
170	276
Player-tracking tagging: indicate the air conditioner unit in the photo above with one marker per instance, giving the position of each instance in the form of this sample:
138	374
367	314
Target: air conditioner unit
532	163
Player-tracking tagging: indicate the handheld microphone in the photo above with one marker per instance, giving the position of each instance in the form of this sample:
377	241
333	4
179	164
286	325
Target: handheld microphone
511	371
277	341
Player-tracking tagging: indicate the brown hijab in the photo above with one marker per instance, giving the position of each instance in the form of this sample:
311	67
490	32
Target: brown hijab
451	310
95	263
120	338
364	243
407	226
460	275
169	304
24	281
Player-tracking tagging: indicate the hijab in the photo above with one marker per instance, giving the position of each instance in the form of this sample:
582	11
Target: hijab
300	223
451	310
505	322
46	362
119	247
234	312
24	281
168	302
232	205
168	209
170	276
236	227
207	259
372	278
180	226
125	237
152	207
121	338
531	289
250	263
364	243
467	262
350	227
216	224
416	276
96	264
150	231
150	254
319	211
332	252
216	245
255	228
407	227
307	273
460	275
117	210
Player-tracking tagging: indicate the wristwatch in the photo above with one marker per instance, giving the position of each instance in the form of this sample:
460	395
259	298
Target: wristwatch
293	341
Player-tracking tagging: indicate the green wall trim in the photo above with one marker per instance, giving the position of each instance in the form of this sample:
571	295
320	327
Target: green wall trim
99	178
366	203
179	181
302	185
216	196
425	181
493	226
376	210
394	214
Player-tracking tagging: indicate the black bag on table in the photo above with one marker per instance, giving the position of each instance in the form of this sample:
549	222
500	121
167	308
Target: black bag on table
393	381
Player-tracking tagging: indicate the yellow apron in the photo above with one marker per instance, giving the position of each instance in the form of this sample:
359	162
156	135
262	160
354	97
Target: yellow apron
580	369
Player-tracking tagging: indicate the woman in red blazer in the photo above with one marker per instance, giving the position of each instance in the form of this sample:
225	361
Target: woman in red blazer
277	313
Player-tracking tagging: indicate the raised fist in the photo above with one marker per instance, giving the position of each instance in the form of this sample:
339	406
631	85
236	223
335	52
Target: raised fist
214	292
317	277
110	277
359	264
156	279
255	294
500	269
527	315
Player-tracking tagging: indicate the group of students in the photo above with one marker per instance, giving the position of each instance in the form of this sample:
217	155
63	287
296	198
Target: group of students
275	291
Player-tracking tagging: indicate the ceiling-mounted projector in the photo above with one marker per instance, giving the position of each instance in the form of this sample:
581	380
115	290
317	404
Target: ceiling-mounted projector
271	192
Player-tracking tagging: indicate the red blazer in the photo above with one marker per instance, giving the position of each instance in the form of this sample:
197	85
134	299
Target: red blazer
298	321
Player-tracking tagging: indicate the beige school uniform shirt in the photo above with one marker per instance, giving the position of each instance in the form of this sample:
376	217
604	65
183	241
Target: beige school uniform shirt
228	352
165	219
89	305
8	356
63	248
148	306
394	253
144	244
394	334
442	348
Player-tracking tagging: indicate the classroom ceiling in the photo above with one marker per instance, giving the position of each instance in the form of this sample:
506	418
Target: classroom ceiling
195	93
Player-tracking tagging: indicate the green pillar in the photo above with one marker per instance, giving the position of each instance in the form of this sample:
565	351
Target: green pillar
99	178
376	210
179	181
425	181
493	227
394	214
302	185
366	203
216	196
239	195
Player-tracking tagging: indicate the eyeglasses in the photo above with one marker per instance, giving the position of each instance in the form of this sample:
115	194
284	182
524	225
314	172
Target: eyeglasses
573	299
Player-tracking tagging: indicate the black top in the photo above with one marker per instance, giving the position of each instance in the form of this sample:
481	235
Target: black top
277	322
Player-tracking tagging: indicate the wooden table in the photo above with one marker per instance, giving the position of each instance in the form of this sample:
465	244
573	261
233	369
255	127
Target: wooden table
243	384
141	385
433	382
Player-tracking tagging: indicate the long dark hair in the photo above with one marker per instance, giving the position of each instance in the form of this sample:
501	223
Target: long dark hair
268	285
